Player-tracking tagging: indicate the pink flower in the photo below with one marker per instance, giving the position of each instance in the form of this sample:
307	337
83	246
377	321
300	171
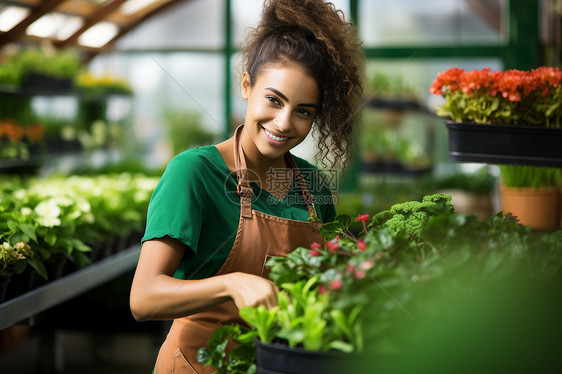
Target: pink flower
359	274
350	268
332	246
322	289
361	245
20	245
314	253
367	264
316	245
336	284
362	217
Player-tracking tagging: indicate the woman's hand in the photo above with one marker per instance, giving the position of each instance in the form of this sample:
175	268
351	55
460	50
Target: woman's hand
251	290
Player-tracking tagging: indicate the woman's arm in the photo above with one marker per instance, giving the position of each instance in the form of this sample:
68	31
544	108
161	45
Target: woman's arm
156	295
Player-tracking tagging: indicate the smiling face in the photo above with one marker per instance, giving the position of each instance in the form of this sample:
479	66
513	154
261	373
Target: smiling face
281	108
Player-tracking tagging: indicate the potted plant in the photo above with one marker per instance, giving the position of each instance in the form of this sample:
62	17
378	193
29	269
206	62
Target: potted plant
354	293
532	194
503	117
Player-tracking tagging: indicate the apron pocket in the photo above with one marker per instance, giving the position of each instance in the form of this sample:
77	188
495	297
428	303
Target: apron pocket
265	270
180	365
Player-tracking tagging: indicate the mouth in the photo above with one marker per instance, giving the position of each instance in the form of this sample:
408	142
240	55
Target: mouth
276	138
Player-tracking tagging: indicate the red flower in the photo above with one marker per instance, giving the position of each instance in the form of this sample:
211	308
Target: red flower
322	289
362	218
449	79
361	245
332	246
314	253
316	245
350	268
336	284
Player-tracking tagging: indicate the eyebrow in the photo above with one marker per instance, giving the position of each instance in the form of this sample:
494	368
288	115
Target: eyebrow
278	93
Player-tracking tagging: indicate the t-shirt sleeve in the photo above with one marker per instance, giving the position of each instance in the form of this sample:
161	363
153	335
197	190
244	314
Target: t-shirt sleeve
177	206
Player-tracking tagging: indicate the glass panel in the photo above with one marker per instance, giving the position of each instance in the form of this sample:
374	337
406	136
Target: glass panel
168	84
11	16
194	24
99	34
246	14
55	25
431	22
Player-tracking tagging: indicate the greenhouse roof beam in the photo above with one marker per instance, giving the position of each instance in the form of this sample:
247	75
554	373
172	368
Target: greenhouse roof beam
98	16
18	30
157	8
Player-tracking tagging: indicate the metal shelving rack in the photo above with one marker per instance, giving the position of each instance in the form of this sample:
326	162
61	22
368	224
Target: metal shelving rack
76	283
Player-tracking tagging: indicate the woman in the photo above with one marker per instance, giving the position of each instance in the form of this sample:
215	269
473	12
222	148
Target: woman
219	212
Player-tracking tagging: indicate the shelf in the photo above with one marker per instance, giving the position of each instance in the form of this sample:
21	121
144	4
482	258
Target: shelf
396	104
53	293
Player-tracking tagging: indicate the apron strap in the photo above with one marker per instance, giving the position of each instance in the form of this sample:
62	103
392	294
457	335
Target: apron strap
309	198
243	188
246	192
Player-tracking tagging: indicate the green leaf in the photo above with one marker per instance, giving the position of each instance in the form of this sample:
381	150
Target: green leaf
28	230
341	346
80	259
331	229
38	266
51	238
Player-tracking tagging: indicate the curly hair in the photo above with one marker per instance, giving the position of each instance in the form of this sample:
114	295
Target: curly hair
317	37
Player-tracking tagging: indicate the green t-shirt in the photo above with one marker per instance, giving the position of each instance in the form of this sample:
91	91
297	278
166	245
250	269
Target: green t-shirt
196	202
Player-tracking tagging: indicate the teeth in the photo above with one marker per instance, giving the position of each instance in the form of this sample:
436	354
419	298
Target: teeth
277	138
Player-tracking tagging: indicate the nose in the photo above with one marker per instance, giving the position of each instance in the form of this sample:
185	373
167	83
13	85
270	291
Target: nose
283	121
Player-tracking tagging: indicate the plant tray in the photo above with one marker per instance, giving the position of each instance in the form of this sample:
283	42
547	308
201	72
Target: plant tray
505	144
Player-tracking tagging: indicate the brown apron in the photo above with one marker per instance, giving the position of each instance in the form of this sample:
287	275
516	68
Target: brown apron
259	237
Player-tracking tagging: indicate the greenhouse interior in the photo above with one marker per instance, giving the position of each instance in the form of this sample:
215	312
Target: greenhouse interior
438	244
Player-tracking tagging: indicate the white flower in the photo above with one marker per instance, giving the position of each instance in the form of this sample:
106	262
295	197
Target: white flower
6	245
49	213
75	214
63	200
26	211
49	221
85	207
21	195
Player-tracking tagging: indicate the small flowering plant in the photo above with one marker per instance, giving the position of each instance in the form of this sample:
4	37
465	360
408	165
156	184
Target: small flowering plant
10	254
501	97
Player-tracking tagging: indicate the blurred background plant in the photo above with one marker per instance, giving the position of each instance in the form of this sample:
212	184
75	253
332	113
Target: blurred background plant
184	130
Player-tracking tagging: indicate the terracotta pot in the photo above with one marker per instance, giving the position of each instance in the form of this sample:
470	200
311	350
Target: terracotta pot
535	207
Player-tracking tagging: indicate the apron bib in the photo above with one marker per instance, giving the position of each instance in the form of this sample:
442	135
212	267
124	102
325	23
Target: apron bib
259	237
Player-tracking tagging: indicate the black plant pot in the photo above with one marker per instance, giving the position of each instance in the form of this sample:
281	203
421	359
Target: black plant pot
4	280
505	144
275	358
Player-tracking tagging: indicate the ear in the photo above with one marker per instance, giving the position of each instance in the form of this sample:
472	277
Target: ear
246	86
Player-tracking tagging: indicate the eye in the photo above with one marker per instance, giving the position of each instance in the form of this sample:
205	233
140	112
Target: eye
273	100
304	112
